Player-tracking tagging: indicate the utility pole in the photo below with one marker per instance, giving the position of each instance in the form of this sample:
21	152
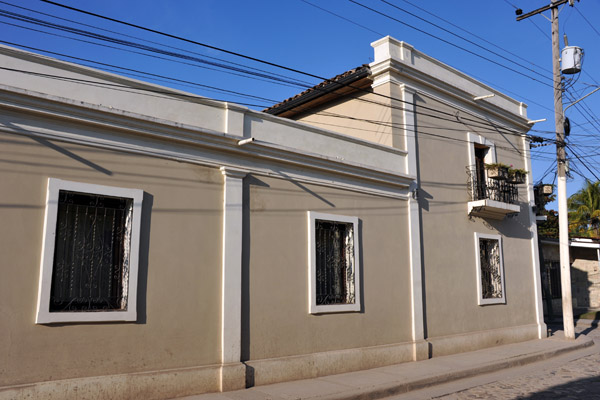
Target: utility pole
563	218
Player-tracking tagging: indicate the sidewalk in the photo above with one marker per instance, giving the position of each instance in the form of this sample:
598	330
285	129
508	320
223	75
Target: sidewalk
397	379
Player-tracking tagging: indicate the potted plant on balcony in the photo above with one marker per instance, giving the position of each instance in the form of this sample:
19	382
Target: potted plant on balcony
497	171
516	175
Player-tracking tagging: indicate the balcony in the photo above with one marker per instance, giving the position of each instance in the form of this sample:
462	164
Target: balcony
490	198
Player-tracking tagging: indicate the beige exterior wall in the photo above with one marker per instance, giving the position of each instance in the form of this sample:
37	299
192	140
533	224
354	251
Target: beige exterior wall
448	232
180	270
279	321
367	117
291	169
449	253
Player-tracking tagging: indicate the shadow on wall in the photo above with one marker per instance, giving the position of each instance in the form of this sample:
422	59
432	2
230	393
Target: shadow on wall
245	324
580	288
512	226
143	257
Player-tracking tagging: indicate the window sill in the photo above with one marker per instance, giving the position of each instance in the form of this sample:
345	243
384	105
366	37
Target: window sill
334	308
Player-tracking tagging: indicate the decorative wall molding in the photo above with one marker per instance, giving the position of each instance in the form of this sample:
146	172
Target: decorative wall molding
231	282
392	72
535	265
410	138
122	131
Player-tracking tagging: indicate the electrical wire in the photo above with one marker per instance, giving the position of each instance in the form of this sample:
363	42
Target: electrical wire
582	162
475	76
184	97
343	18
465	39
489	124
152	56
478	37
140	46
214	47
144	40
447	42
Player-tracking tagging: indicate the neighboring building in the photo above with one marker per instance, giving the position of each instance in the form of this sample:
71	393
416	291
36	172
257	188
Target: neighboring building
585	275
158	244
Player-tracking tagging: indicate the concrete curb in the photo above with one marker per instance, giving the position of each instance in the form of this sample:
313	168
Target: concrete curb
397	388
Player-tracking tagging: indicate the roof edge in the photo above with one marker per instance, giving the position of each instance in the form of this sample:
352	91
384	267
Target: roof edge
326	87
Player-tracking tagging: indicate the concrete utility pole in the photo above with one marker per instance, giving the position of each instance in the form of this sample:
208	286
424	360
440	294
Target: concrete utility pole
563	217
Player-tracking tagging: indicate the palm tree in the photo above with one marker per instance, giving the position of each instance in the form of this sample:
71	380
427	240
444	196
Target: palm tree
584	210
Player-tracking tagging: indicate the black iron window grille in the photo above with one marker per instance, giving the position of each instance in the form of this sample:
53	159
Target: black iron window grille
481	188
91	253
335	264
551	278
491	269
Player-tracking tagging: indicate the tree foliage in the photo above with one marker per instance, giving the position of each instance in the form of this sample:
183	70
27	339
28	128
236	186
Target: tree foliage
549	228
584	211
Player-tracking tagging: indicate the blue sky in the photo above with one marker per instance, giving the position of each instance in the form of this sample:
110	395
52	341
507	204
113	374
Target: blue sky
326	38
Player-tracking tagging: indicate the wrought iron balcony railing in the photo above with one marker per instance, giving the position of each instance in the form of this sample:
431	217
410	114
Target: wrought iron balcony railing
480	188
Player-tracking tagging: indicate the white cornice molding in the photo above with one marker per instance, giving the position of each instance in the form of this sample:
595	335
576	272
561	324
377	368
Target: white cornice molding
234	172
462	102
124	131
326	132
406	57
398	62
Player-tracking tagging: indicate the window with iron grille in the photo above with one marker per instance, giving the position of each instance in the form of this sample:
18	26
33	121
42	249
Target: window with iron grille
333	273
551	278
89	260
490	269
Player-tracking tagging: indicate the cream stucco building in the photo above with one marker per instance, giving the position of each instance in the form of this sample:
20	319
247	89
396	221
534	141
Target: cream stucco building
158	244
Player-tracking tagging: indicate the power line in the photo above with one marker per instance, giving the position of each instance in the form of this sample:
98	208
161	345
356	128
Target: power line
341	17
140	46
122	88
144	40
446	41
588	22
195	42
487	124
185	40
477	36
475	76
452	117
183	97
465	39
225	71
582	162
144	73
232	53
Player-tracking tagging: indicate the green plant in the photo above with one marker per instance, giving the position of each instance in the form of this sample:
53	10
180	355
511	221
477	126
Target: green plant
496	165
517	171
584	211
549	228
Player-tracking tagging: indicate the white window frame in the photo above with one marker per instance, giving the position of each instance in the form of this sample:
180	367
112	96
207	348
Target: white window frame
480	299
473	139
312	265
44	316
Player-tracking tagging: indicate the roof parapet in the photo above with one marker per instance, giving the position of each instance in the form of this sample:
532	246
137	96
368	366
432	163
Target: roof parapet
388	47
392	56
